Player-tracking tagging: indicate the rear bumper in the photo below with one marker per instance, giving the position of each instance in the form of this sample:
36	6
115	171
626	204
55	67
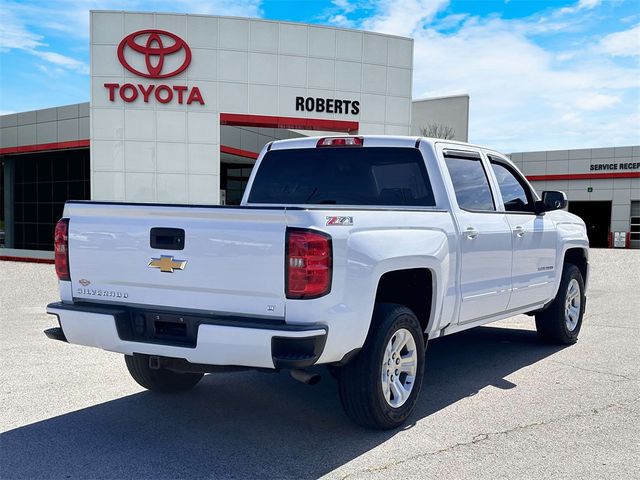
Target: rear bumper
241	341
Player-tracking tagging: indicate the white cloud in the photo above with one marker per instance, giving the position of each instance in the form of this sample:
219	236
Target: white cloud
452	21
26	26
519	94
13	33
16	35
341	20
238	8
51	71
581	5
344	5
62	61
402	17
523	96
597	101
571	118
71	17
588	4
622	44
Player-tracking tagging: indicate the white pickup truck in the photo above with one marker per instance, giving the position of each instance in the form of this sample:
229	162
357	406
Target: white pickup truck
351	252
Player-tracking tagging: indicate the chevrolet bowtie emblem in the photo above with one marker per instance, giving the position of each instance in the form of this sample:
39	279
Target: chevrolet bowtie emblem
167	264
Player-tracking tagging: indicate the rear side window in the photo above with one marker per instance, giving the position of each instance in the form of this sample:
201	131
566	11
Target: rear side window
343	176
470	183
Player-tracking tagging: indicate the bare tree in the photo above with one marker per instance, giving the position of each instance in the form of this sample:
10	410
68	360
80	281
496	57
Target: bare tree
437	130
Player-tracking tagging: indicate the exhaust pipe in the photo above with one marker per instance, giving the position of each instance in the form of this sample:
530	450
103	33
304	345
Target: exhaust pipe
305	377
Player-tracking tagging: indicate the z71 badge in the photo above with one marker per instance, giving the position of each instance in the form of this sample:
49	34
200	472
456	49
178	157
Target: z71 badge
341	221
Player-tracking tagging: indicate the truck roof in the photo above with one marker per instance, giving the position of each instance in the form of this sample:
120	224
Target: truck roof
369	141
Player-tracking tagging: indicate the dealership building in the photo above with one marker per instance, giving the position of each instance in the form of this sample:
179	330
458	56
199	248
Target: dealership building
181	105
602	185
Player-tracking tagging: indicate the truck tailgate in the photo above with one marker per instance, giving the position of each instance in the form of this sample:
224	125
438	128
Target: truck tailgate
232	259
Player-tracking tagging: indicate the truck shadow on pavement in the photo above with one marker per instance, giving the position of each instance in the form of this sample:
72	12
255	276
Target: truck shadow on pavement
248	425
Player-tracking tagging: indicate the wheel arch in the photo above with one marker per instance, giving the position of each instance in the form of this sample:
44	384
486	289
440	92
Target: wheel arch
414	288
578	256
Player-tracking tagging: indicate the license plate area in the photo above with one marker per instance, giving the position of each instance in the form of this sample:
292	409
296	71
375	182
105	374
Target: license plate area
169	327
162	328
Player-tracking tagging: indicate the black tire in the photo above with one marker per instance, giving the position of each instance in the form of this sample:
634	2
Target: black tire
550	323
360	381
160	380
334	371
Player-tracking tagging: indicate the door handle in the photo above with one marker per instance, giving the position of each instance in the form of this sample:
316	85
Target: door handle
471	233
167	238
519	230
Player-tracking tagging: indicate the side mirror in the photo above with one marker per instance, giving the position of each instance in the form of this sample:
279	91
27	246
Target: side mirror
552	200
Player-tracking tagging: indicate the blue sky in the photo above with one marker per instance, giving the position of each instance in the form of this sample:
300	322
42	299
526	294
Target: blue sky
541	74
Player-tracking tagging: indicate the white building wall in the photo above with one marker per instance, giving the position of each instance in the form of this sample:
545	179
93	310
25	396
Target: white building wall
170	152
450	112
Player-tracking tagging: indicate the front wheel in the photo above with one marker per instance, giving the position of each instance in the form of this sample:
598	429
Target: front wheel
561	321
161	379
380	386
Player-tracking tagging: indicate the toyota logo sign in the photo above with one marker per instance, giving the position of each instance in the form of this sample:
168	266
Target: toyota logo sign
154	51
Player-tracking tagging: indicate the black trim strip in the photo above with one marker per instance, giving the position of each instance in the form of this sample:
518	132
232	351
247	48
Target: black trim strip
287	352
225	320
480	211
461	154
359	208
88	309
181	205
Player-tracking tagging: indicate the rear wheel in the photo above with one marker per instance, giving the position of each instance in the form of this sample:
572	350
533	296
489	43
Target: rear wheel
159	380
561	321
380	386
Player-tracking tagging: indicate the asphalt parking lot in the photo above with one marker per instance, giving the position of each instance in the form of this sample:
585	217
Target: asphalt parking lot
496	403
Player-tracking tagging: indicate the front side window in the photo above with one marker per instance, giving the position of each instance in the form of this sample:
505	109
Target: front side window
470	183
516	197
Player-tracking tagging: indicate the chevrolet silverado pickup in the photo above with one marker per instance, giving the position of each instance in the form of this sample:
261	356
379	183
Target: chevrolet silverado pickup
350	252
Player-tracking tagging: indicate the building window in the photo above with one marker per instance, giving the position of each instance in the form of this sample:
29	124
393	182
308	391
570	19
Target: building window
1	203
234	180
635	224
43	183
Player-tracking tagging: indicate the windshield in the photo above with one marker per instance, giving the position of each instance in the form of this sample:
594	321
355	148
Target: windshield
343	176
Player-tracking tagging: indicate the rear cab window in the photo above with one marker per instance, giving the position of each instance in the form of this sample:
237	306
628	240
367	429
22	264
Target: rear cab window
381	176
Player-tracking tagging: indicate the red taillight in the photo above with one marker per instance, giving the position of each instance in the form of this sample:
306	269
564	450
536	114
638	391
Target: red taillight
340	142
61	249
308	264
